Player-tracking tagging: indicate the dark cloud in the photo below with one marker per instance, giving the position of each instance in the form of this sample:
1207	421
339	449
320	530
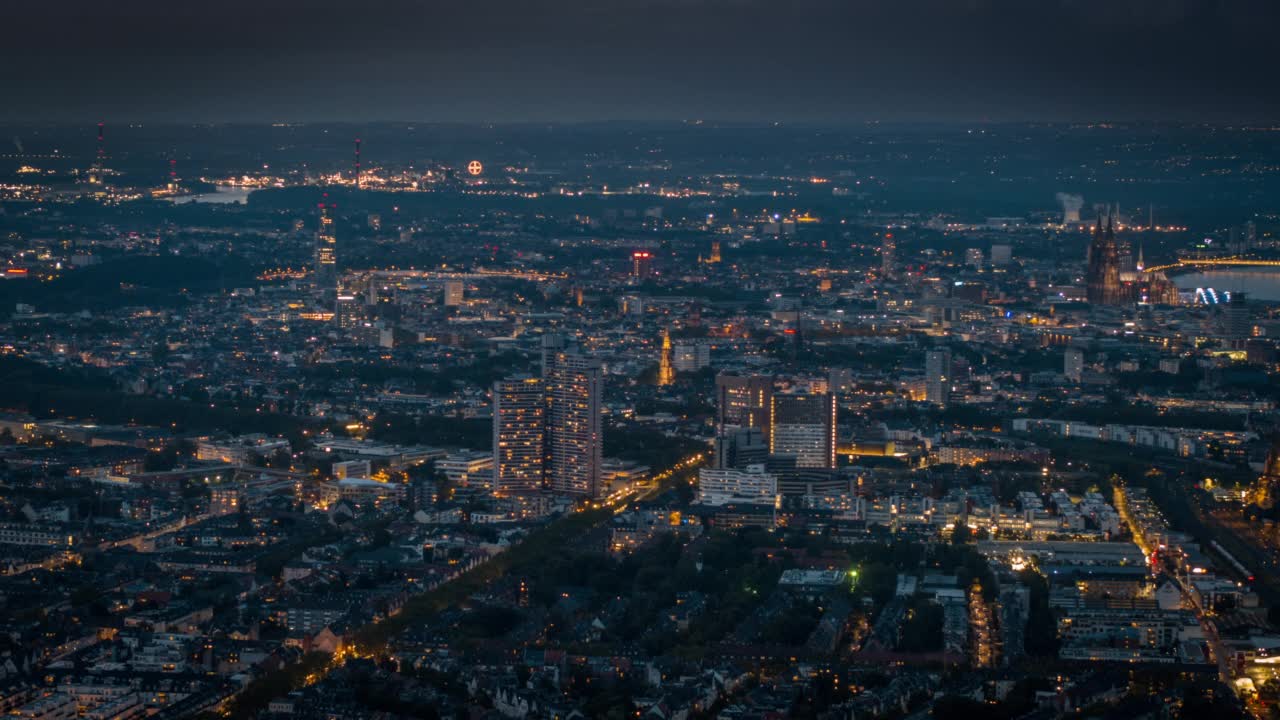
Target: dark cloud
593	59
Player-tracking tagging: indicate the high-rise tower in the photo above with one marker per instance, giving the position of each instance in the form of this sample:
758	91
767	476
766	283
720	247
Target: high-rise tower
98	168
575	438
743	401
519	435
937	376
804	426
357	163
547	432
888	248
326	250
172	185
641	264
1236	318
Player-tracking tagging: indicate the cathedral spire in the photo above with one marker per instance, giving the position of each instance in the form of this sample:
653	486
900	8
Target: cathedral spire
1103	264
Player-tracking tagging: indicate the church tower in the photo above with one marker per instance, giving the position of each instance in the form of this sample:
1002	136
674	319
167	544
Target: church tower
666	372
1103	275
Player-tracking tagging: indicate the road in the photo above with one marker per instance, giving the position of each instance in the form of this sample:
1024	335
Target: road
302	675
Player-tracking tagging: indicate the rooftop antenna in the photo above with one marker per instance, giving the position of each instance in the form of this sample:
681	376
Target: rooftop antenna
1151	229
99	160
357	163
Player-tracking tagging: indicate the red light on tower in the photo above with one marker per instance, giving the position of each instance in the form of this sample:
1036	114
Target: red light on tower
641	264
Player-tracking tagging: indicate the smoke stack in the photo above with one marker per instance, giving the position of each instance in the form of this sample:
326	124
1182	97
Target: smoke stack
1070	205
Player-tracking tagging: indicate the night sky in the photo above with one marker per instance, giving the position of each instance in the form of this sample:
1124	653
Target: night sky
575	60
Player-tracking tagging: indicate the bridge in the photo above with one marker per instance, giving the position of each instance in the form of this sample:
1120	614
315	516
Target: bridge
1213	262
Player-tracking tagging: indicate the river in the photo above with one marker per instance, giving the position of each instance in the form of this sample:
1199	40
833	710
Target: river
1260	283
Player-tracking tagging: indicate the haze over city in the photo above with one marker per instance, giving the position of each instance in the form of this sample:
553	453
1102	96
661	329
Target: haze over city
720	60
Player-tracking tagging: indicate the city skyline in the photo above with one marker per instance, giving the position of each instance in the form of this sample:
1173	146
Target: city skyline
640	360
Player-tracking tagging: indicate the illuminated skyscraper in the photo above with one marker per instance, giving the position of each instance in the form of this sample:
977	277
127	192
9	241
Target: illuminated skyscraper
172	185
888	248
743	401
547	431
1236	318
937	376
574	435
519	434
804	426
326	251
348	311
97	170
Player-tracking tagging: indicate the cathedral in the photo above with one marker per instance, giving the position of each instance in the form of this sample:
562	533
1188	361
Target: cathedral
1108	283
1103	275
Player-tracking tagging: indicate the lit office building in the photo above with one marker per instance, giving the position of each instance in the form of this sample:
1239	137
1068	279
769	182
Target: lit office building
937	376
690	357
804	426
574	435
519	435
741	447
743	401
750	485
348	311
326	250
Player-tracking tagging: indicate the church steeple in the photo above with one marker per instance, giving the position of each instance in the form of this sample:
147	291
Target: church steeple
666	373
